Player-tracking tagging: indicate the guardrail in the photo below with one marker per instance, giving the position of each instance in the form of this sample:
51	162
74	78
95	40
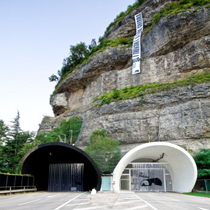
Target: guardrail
17	189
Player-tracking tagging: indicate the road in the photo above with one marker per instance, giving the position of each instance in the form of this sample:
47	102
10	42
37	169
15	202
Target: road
104	201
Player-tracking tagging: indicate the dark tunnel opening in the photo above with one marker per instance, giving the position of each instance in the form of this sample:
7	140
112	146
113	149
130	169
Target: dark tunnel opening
37	163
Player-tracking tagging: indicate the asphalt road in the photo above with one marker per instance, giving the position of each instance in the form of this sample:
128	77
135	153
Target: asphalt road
103	200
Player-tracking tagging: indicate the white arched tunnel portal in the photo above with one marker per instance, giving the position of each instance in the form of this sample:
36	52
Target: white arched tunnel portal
181	165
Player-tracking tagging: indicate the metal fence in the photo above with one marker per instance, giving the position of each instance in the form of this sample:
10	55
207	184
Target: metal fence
16	183
202	185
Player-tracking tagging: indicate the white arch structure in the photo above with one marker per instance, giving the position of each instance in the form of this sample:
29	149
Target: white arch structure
181	165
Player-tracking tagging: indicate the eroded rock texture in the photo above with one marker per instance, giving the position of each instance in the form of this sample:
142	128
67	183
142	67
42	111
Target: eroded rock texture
176	47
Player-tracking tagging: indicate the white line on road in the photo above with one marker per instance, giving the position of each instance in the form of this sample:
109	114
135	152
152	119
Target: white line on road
52	196
11	198
120	203
69	201
202	208
5	198
95	207
137	207
169	198
29	202
77	204
146	202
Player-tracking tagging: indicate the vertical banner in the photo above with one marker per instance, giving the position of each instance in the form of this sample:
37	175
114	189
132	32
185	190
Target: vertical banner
136	49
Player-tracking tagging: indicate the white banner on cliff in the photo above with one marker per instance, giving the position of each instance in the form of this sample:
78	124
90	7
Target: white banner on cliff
136	49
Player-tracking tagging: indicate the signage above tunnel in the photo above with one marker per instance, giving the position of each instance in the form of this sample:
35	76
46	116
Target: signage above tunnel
61	167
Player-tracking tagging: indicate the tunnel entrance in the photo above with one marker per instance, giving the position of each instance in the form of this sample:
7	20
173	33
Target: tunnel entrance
156	166
65	177
74	167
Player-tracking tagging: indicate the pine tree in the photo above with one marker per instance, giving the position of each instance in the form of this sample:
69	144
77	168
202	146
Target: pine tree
15	131
3	132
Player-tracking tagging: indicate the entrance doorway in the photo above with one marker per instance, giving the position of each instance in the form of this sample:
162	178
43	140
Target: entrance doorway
146	177
65	177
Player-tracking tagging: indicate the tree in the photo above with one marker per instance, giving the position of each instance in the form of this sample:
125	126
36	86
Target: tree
104	150
14	140
78	53
15	131
3	132
92	45
53	78
13	152
202	160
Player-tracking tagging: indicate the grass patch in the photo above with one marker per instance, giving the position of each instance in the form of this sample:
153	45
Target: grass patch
175	8
121	41
123	14
141	90
201	194
171	9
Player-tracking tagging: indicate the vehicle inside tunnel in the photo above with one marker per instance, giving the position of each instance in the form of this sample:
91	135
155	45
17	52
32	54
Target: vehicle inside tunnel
61	167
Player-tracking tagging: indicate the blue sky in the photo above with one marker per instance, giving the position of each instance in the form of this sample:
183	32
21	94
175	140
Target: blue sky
35	36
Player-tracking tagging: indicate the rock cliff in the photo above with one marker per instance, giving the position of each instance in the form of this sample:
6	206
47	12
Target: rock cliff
176	47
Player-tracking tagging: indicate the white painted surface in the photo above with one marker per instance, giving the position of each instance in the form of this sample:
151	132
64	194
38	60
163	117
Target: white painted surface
181	165
69	201
29	202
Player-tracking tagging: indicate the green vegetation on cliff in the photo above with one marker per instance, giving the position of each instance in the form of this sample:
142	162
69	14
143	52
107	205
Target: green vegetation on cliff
68	131
81	53
104	151
174	8
141	90
123	14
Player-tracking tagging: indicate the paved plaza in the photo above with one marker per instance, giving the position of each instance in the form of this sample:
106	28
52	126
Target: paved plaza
103	200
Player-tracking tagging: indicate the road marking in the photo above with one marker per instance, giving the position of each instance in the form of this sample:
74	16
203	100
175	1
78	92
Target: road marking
11	198
127	199
137	207
5	198
77	204
169	198
126	202
146	203
69	201
52	196
29	202
95	207
202	208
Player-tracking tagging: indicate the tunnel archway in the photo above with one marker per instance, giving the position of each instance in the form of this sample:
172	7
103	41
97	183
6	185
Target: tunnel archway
38	160
180	166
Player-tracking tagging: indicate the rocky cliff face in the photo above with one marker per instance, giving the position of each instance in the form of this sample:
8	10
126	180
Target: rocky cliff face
176	47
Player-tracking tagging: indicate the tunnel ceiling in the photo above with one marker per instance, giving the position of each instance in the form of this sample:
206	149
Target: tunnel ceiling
37	162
